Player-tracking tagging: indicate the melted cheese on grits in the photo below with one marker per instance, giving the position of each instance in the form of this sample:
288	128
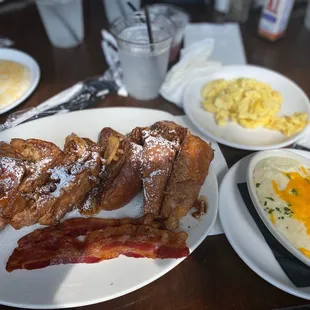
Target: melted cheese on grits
14	81
283	188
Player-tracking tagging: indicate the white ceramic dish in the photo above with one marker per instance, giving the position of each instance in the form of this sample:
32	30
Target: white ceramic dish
294	100
27	61
245	237
263	215
77	285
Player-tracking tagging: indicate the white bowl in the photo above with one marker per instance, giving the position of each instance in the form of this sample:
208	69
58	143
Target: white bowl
27	61
265	218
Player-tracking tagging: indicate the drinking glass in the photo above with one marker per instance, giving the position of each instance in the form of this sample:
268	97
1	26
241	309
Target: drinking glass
116	8
63	21
179	18
144	64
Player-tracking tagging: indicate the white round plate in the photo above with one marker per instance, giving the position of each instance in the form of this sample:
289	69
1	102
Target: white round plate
238	223
234	135
27	61
81	284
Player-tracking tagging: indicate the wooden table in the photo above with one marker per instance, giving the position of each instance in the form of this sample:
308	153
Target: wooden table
213	277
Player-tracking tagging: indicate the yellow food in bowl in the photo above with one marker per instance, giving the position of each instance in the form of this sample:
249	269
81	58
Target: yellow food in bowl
283	188
249	103
14	81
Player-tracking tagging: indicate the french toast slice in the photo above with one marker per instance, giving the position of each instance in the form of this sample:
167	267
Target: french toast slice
121	180
161	142
189	171
12	171
38	157
157	161
67	185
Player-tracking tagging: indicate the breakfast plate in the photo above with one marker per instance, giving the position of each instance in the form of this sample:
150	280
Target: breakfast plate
237	222
234	135
80	284
30	64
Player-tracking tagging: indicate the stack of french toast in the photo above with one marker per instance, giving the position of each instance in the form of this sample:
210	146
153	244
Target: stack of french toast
40	183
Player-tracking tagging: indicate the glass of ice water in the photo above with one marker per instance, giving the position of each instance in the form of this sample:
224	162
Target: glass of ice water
144	64
63	21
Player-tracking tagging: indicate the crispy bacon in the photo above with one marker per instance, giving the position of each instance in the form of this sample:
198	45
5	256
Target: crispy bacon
104	239
80	227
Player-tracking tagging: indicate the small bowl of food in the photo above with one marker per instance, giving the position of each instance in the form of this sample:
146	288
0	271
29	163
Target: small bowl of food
19	76
279	185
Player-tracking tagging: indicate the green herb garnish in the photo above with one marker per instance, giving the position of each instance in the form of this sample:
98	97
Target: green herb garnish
294	191
257	185
288	176
265	203
269	198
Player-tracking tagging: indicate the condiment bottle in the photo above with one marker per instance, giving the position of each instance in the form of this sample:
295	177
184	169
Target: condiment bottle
274	19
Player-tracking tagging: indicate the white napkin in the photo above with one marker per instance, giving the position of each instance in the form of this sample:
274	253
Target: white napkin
193	64
206	48
228	46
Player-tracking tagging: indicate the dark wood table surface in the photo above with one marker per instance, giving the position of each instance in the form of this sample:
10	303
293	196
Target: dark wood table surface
213	277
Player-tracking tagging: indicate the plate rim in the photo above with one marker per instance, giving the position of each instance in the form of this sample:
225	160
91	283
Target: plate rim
36	75
90	111
242	255
202	237
188	111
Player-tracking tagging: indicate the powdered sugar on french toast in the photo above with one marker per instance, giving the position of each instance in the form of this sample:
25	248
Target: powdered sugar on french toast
63	179
14	173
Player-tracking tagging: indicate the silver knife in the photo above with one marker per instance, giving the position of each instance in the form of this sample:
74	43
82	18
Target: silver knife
77	97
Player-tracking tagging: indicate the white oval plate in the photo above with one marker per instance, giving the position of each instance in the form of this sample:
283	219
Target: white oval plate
294	100
245	237
78	285
265	218
27	61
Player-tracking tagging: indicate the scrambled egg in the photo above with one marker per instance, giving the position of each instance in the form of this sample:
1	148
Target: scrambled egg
14	81
251	104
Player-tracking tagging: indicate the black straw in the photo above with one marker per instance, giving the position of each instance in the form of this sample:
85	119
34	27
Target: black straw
131	6
148	24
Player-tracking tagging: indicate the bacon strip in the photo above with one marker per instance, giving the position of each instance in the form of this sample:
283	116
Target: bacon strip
61	244
80	227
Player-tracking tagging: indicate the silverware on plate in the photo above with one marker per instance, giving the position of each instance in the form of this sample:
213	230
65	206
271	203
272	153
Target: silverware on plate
297	146
80	96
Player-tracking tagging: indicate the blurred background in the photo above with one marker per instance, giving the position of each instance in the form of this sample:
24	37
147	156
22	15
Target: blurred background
20	22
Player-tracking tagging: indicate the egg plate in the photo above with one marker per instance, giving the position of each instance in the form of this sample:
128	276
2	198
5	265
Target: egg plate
234	135
27	61
267	217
